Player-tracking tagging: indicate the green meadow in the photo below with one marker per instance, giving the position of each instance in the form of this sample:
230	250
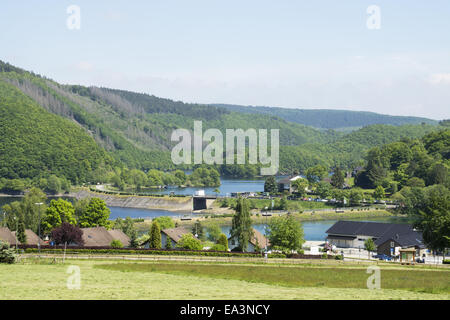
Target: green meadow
109	279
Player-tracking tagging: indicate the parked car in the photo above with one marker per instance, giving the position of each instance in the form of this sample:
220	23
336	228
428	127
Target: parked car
383	257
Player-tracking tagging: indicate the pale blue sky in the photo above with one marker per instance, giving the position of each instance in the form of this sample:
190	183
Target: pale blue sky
310	54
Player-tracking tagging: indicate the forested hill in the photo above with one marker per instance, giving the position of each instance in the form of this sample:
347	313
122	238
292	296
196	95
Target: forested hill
330	119
82	132
35	143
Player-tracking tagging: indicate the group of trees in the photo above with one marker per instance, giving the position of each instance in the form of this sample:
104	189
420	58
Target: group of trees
191	241
137	179
32	209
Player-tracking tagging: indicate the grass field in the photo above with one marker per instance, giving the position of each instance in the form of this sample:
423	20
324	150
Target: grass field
150	280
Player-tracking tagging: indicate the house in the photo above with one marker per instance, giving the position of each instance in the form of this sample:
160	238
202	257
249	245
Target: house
7	236
32	238
257	241
353	234
100	237
286	183
173	234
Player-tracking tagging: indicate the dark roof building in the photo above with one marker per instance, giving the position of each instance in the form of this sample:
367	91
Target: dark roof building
354	233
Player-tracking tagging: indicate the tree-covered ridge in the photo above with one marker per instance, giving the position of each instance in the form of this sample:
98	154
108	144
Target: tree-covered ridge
349	150
35	143
135	128
330	119
408	163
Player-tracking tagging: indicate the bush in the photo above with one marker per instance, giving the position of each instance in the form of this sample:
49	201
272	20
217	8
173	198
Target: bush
324	256
7	254
109	251
218	247
116	244
446	261
276	256
188	241
339	257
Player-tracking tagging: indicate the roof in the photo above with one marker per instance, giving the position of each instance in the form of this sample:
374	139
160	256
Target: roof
32	238
8	236
258	238
100	237
413	239
289	179
404	234
175	233
118	234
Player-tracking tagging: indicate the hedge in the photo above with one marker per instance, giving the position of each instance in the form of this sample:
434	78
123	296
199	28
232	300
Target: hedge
446	261
180	252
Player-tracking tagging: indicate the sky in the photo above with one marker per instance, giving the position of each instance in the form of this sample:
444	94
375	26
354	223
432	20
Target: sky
293	54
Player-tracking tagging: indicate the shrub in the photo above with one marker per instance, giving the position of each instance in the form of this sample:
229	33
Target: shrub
339	257
446	261
223	241
7	254
324	256
116	244
188	241
218	247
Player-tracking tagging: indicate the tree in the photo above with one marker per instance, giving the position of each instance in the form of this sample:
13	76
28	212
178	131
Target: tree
197	230
21	236
53	184
338	178
355	197
300	185
379	193
188	241
116	244
286	234
316	173
67	233
58	212
214	232
155	236
169	243
165	222
283	203
369	245
95	215
433	219
241	227
223	241
7	254
270	185
127	227
323	189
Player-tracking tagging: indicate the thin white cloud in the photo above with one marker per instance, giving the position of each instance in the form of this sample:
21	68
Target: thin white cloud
439	79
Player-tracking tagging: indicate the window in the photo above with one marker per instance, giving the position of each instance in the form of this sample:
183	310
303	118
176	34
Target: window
392	244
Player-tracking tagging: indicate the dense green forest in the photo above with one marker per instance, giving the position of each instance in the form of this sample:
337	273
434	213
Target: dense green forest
81	134
35	143
408	163
330	119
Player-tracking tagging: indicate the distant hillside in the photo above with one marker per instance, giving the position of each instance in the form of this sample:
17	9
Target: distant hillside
117	128
35	143
330	119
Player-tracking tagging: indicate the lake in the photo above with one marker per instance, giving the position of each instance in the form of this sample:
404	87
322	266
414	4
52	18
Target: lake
313	230
226	188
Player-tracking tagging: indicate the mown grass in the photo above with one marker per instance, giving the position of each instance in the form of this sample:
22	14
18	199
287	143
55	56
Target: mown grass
46	279
302	276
